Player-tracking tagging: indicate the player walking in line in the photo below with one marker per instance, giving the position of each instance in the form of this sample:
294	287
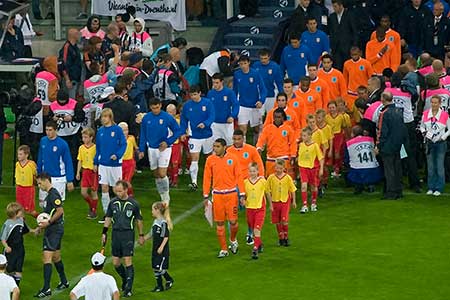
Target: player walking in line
222	175
85	172
160	253
25	176
197	116
53	234
128	162
122	213
159	130
310	161
54	159
255	203
111	146
282	189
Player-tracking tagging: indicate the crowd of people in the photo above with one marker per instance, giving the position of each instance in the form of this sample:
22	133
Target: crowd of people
330	109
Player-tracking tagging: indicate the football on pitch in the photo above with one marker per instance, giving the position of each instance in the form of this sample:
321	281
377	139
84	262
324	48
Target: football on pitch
42	217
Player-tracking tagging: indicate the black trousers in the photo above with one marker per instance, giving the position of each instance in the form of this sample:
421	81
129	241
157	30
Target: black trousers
411	150
393	175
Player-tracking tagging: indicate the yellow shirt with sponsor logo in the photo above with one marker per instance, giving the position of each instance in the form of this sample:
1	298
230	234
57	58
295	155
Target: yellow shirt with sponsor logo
86	156
26	173
255	192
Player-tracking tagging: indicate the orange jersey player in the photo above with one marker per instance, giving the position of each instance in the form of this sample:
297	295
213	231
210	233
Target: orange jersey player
357	72
380	52
310	161
222	175
310	100
255	202
245	154
393	37
85	171
25	177
319	85
337	124
282	189
291	115
280	141
334	78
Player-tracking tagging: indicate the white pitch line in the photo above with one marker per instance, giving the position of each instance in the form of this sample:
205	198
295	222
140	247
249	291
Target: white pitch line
176	220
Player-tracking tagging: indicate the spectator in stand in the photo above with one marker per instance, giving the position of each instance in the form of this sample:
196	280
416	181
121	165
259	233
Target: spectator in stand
83	13
393	37
71	57
411	26
271	74
123	33
140	40
380	52
297	21
343	33
357	72
93	53
295	58
13	44
431	3
325	13
217	62
437	31
374	89
319	85
92	28
37	10
247	8
179	43
316	40
23	22
110	38
435	127
333	77
392	135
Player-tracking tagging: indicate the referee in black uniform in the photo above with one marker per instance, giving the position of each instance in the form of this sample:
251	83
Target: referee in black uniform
54	231
123	212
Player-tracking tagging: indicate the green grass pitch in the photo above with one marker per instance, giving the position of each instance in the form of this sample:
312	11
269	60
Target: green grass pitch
354	247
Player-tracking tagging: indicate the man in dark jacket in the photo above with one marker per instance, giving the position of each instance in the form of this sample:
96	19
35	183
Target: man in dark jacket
124	111
71	57
13	45
437	32
361	14
411	26
392	136
343	33
304	10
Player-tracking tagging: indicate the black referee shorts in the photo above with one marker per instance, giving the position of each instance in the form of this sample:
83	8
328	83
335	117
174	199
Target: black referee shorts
122	243
52	237
15	260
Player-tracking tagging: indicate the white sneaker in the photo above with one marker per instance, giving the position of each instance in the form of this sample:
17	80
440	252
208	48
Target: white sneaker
430	192
313	207
222	254
186	172
233	247
436	193
304	209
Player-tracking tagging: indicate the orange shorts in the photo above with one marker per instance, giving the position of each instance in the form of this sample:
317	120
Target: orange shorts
225	207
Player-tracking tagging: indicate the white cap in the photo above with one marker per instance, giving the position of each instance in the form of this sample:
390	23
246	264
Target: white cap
106	92
3	259
98	259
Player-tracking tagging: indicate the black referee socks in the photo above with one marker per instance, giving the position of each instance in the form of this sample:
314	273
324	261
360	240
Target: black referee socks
121	271
47	276
60	268
130	277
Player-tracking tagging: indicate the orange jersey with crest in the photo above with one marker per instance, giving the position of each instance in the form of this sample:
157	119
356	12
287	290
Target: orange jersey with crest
336	82
321	86
357	73
393	37
310	102
380	62
246	155
280	141
222	174
292	119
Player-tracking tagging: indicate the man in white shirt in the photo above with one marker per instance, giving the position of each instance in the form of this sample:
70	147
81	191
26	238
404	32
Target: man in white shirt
98	285
22	21
8	286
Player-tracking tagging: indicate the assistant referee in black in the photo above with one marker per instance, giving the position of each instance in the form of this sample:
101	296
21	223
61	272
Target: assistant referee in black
123	212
